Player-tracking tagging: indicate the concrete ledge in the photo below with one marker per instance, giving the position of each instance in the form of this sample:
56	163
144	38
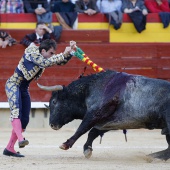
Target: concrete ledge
39	117
34	105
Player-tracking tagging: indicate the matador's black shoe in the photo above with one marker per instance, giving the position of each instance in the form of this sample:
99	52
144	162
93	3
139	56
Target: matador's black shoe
9	153
23	143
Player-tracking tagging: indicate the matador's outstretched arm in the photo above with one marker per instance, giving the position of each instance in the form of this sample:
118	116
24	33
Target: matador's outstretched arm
76	51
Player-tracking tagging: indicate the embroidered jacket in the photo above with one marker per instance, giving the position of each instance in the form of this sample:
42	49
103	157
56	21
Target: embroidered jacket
32	64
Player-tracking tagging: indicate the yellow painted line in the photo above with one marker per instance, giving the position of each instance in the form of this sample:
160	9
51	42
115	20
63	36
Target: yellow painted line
92	25
127	33
24	25
32	25
18	25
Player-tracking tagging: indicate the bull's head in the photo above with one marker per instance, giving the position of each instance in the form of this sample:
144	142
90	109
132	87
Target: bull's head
61	106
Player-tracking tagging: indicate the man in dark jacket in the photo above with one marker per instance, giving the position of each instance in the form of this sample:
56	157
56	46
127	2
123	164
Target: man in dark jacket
42	32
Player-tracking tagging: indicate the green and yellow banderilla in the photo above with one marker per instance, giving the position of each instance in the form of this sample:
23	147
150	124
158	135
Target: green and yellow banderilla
76	51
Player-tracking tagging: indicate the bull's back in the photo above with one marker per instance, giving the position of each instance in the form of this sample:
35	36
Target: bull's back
142	104
142	93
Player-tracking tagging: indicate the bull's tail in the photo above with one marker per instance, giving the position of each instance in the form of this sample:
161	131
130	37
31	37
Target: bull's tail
125	131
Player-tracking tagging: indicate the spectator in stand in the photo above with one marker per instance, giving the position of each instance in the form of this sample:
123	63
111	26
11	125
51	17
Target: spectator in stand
42	10
51	3
73	1
161	7
137	11
156	6
42	32
88	7
6	39
112	10
65	12
11	6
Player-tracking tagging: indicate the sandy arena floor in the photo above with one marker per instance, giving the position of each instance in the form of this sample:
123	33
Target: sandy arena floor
43	152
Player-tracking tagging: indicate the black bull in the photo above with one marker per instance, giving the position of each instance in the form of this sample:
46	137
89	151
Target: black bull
112	101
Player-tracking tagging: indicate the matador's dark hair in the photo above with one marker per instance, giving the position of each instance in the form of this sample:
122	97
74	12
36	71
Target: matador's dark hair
47	44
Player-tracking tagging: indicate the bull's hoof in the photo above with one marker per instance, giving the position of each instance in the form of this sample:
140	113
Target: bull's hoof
163	155
88	152
64	147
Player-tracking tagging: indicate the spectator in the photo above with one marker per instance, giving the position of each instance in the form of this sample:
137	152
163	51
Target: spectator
137	11
2	6
161	7
65	12
112	9
88	7
42	10
6	39
11	6
30	67
52	3
156	6
42	32
73	1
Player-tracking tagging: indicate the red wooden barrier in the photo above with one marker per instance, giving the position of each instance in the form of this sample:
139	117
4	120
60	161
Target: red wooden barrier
150	59
18	18
91	36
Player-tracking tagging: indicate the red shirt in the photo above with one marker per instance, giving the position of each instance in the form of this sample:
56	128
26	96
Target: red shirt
153	6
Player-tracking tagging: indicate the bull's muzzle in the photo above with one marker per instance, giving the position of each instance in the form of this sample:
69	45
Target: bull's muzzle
54	127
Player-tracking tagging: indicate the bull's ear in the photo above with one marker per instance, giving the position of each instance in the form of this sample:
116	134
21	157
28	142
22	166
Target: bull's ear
50	88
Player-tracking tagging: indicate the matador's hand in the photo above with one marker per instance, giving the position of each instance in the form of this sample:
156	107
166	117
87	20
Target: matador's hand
67	51
73	44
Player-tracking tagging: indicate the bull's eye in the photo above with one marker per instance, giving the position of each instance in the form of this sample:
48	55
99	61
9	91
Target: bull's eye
54	101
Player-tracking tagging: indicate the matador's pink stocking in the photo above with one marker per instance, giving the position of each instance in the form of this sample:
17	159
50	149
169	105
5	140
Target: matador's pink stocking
16	124
12	141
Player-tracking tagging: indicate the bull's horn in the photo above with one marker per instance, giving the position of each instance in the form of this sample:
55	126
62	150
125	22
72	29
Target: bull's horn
48	107
50	88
